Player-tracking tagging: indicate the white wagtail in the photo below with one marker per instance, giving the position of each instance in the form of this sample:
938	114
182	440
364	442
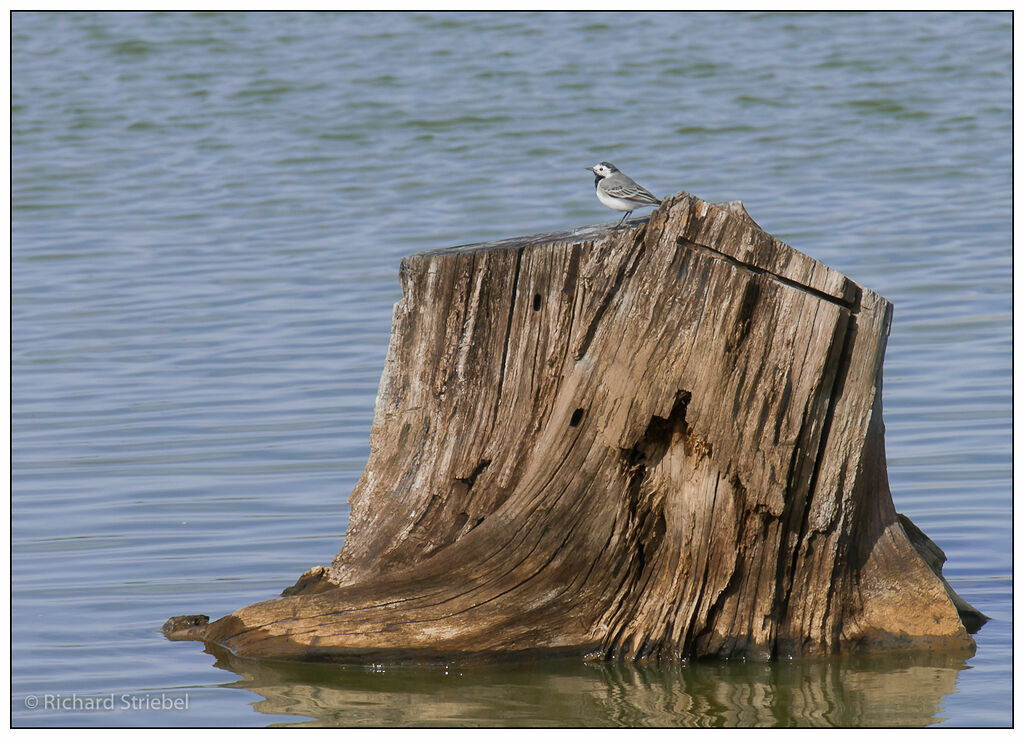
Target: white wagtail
618	192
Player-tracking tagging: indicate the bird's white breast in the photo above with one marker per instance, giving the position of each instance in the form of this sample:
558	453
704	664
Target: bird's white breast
614	203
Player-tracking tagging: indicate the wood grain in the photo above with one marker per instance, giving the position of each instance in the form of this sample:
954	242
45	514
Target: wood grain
657	441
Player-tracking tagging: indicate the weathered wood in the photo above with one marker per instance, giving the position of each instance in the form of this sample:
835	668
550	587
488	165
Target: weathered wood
663	440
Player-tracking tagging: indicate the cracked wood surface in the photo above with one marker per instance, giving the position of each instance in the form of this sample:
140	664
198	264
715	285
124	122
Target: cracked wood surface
660	441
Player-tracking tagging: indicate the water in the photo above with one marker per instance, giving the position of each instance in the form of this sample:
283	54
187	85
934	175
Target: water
208	215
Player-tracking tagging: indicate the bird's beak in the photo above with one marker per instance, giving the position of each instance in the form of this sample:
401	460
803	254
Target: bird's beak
589	169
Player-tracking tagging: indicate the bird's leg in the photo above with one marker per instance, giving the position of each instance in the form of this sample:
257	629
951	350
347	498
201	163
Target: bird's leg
628	212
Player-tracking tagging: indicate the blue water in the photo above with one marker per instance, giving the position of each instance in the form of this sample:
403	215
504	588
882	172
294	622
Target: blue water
208	211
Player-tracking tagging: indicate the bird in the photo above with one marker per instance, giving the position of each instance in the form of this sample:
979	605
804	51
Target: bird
617	191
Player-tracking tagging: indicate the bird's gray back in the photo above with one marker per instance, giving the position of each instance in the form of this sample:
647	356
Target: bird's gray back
621	186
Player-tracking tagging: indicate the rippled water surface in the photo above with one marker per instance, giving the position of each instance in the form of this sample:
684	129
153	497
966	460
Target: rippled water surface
208	214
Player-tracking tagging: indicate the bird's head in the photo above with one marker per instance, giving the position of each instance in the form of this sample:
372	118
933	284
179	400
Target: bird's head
604	169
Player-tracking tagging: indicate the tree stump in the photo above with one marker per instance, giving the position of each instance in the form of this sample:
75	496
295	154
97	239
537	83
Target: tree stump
661	441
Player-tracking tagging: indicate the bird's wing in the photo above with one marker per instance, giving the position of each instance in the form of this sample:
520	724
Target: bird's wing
626	189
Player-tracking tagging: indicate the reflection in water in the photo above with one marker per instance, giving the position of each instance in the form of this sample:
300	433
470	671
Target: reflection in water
905	690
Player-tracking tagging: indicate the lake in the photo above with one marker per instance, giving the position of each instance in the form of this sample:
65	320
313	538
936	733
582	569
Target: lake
208	213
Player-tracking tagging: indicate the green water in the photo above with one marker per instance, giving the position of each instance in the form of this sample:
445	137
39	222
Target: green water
843	692
208	211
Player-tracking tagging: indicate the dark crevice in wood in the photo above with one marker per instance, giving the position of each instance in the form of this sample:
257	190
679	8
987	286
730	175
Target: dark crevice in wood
789	521
742	320
626	269
852	306
644	526
508	326
427	510
834	393
470	479
657	437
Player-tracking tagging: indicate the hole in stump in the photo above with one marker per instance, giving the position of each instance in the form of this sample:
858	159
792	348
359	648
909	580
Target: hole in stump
536	301
577	416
